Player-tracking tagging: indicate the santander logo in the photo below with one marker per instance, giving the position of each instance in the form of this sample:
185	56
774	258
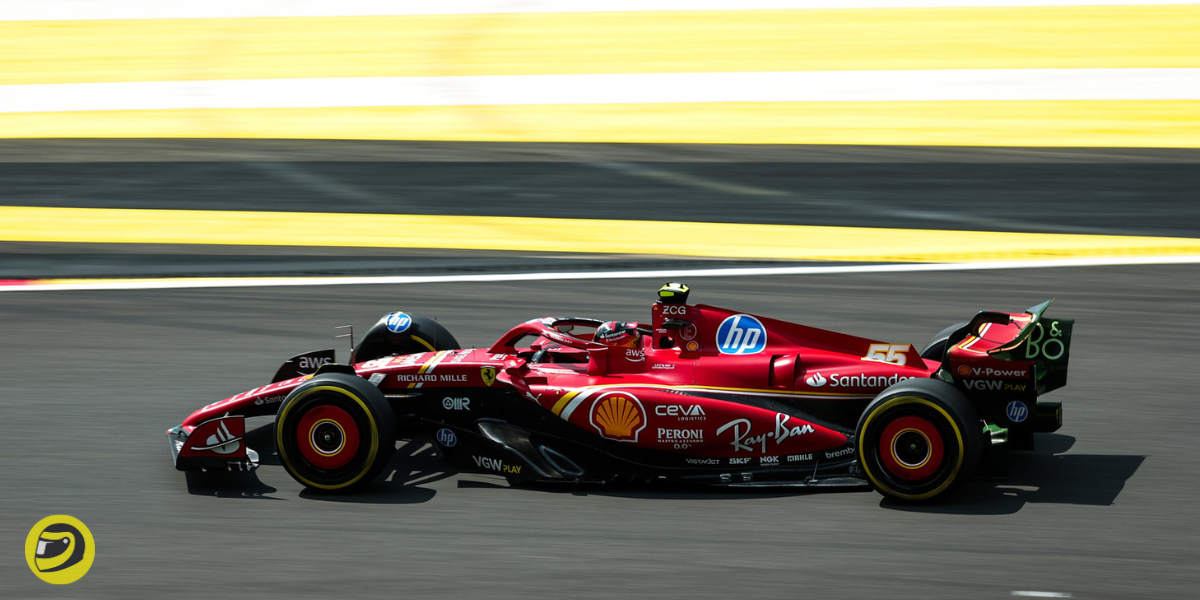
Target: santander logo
816	380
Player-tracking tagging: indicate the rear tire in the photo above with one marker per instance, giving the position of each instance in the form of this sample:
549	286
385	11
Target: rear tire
335	432
918	440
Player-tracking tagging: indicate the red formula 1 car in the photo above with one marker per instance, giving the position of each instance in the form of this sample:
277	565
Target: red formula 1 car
702	395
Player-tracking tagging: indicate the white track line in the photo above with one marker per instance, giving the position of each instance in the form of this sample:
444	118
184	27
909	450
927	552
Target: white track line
56	10
233	282
654	88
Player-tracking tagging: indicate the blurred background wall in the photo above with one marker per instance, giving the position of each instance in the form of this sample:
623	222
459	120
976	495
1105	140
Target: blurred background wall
1000	73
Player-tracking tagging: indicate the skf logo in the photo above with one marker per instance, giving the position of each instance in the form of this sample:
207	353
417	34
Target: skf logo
618	416
488	374
60	549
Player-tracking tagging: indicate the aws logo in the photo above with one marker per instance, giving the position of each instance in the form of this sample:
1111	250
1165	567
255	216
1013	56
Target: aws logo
60	549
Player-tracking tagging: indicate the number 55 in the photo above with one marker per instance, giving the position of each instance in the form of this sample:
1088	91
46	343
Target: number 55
888	353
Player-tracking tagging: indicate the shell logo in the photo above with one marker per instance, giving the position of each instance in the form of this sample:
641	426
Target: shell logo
618	416
964	370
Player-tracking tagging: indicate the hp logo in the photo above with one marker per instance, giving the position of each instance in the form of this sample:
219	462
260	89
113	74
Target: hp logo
741	334
398	322
1017	411
447	438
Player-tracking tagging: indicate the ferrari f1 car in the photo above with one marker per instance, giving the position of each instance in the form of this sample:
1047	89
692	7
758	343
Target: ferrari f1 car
701	395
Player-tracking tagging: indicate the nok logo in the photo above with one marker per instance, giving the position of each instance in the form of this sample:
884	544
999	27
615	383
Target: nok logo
60	549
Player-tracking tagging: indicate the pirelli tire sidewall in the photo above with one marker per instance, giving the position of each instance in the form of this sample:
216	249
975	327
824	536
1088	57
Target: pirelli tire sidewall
944	440
355	413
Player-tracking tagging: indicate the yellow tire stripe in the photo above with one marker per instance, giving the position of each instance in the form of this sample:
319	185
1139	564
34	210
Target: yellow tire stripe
1161	124
900	401
794	242
583	43
374	446
424	343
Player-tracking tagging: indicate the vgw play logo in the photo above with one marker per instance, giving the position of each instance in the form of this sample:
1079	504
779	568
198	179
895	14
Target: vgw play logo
60	549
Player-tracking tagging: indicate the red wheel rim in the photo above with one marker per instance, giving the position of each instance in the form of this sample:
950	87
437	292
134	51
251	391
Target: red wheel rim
328	437
911	448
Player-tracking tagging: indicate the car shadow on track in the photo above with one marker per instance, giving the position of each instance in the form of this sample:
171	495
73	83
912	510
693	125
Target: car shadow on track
1045	475
238	484
415	464
659	491
244	484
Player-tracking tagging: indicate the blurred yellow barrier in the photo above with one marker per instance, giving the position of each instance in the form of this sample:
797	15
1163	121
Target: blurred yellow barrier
30	224
586	43
1027	123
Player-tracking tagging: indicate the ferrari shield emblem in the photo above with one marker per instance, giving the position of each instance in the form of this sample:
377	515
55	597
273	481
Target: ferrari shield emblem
488	374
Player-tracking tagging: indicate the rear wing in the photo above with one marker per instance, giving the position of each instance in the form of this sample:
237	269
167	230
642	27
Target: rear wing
1045	342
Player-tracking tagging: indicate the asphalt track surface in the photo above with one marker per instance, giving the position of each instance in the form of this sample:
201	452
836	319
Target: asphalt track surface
1080	190
1105	508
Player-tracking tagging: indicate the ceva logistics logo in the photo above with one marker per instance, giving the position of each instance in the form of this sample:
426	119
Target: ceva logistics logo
60	549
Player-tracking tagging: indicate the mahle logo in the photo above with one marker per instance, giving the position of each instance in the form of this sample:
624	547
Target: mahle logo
60	549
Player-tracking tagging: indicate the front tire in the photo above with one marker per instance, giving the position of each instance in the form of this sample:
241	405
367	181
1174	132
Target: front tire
918	440
335	432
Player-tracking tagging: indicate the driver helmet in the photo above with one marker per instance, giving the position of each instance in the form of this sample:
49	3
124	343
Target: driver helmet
616	333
